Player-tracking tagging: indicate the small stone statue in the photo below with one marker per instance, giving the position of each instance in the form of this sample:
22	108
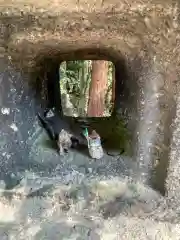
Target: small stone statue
58	132
64	142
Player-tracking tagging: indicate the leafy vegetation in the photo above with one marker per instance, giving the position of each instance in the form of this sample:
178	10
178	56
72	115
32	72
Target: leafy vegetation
75	79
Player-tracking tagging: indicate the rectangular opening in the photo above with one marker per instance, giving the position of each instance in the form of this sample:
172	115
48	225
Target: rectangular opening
87	88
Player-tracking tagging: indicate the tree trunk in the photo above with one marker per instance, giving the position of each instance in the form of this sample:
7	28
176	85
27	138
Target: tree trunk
98	87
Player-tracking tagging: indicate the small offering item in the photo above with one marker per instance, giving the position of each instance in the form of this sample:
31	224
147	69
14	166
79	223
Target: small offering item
94	144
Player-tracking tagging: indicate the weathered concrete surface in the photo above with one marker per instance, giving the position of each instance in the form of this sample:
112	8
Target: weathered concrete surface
141	37
144	35
17	122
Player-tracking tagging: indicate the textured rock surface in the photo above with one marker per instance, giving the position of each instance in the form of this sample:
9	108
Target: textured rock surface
142	38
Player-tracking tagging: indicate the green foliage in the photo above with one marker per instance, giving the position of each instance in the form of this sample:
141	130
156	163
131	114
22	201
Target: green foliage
75	78
71	72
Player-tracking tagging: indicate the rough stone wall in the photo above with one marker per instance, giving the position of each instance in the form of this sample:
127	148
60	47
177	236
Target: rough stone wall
144	34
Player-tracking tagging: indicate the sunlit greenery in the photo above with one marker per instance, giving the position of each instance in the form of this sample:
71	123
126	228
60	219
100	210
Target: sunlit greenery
75	78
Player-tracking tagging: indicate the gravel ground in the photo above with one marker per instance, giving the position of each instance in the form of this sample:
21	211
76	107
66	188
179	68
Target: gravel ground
79	198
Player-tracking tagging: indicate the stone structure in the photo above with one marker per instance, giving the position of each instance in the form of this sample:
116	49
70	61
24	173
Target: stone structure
140	37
